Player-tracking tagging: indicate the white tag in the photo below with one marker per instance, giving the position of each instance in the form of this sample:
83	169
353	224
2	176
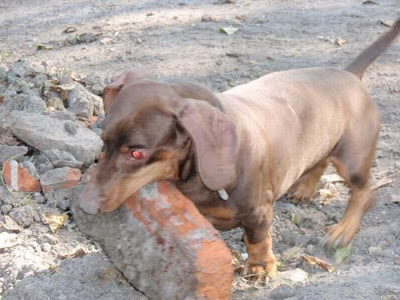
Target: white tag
223	194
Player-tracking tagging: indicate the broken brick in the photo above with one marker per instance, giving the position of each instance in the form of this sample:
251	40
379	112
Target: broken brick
163	245
60	178
19	178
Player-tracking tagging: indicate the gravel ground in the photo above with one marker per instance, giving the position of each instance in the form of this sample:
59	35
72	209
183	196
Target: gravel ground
96	40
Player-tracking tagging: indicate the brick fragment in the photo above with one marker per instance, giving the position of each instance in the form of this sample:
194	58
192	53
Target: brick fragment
163	245
19	178
60	178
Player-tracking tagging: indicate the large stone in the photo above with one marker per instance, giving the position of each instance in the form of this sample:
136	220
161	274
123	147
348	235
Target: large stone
62	159
25	102
25	216
163	245
60	178
46	133
12	152
20	68
84	104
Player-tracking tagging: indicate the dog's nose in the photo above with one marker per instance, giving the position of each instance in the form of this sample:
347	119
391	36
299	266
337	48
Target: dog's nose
90	199
89	206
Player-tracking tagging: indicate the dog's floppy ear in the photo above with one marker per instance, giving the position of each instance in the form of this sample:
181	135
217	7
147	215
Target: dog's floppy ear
215	142
111	91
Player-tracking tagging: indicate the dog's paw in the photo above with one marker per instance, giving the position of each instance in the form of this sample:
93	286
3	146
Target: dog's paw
259	273
341	234
301	194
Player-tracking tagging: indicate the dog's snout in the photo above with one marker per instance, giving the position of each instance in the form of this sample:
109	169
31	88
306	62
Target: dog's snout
90	200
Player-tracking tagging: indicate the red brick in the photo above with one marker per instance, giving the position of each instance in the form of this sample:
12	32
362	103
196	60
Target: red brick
178	215
19	178
60	178
182	255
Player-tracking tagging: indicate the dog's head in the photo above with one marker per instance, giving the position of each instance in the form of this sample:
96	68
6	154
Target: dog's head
159	131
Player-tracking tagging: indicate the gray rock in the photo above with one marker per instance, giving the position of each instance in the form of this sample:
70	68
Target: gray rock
12	152
60	198
5	209
62	159
43	164
95	83
71	128
21	86
20	68
64	77
97	89
39	198
39	79
70	40
87	38
63	115
7	198
25	102
25	216
31	168
83	103
46	133
295	275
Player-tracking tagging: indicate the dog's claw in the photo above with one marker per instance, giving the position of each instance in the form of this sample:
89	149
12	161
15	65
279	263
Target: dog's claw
337	243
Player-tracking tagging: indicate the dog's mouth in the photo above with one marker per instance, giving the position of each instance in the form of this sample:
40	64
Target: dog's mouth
122	186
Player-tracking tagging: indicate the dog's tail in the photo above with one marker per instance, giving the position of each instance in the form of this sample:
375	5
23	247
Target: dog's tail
362	61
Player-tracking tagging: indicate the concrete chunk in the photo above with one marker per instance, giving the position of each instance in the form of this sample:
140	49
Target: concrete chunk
46	133
163	245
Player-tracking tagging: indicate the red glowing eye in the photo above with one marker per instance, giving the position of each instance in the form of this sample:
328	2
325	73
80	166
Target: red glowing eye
136	154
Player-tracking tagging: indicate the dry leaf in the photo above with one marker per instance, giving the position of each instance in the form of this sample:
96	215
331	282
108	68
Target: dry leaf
55	221
339	41
44	47
381	183
319	262
372	250
342	253
54	269
228	30
326	195
237	261
69	29
78	253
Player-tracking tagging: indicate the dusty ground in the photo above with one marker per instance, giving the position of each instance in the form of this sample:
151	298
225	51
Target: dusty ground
181	39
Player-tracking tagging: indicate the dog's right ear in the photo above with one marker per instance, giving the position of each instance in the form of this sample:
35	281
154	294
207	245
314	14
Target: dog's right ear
111	91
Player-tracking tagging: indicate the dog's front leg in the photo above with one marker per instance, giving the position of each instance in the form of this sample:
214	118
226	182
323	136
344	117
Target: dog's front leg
261	260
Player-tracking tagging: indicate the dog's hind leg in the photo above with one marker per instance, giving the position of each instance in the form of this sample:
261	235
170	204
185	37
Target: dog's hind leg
353	158
305	187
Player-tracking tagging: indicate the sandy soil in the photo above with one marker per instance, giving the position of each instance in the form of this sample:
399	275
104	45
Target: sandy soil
181	39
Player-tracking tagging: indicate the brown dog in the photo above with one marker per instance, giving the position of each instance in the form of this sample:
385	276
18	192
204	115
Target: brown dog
235	153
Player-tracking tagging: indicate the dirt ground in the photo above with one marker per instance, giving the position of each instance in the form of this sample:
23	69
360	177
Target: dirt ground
181	39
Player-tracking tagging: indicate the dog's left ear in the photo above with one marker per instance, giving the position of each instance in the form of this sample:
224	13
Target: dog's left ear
215	141
111	91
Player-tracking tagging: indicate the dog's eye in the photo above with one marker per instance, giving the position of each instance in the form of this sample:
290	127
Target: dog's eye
136	154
